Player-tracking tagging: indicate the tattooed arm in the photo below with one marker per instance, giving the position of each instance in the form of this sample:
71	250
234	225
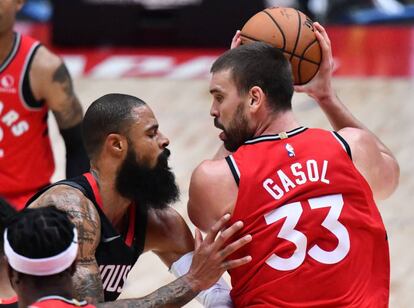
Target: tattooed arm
87	279
209	263
51	82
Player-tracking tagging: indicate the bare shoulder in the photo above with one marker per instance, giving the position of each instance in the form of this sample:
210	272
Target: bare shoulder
45	62
212	193
209	171
373	160
355	136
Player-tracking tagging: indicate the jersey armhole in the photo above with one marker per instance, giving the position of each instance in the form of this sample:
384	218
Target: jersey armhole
344	144
27	93
233	168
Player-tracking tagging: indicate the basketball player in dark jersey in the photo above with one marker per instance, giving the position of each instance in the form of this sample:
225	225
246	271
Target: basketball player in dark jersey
120	208
33	80
305	195
41	247
8	298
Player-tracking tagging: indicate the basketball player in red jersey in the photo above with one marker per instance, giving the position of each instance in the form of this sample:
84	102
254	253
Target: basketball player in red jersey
305	195
32	81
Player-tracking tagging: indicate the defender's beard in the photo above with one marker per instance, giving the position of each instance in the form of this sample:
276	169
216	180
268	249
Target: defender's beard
147	187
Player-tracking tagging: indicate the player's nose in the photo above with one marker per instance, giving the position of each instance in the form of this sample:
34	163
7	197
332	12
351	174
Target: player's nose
163	140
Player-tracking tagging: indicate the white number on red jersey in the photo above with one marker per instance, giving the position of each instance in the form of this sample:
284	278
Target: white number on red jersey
292	212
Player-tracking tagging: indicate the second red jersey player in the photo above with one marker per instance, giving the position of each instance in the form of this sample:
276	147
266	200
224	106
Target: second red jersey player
317	234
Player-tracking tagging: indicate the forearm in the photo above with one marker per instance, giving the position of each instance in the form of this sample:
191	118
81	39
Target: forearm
88	285
175	294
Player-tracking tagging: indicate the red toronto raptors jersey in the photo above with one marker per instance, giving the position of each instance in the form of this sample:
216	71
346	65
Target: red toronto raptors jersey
26	159
59	302
318	238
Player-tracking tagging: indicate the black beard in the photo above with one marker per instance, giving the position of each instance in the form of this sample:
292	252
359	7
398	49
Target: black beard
147	187
238	131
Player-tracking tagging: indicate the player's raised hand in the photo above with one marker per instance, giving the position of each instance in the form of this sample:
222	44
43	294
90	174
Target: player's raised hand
236	41
210	255
320	87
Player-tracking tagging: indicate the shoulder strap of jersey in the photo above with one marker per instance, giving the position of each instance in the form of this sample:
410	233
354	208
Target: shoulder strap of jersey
71	182
233	168
343	143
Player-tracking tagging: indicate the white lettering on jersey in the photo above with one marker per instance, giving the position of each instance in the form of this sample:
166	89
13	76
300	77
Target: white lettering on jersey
299	176
10	117
20	128
111	276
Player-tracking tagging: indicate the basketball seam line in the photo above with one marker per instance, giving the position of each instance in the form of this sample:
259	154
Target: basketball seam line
296	43
277	25
302	57
285	51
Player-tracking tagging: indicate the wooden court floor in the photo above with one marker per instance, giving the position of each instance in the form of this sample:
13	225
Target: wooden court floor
386	106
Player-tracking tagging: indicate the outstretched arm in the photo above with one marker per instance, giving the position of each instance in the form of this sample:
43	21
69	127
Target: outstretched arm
370	155
209	263
86	280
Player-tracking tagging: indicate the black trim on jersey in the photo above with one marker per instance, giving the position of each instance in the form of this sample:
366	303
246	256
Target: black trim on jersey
73	301
345	144
87	191
265	138
12	53
233	170
11	305
27	93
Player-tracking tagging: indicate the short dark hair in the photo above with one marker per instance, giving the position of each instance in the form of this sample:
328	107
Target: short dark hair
259	64
6	213
40	233
111	113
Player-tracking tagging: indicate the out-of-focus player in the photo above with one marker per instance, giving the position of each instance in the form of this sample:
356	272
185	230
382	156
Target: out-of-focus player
33	80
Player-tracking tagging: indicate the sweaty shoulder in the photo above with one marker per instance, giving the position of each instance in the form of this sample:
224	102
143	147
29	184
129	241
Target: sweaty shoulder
212	193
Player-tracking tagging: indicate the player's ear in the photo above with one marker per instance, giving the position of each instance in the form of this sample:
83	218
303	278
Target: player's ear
116	144
256	98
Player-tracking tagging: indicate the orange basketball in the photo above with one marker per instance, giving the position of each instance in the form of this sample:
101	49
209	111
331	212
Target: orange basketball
292	32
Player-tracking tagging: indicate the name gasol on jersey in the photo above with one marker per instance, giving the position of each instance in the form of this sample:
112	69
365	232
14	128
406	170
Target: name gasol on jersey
297	174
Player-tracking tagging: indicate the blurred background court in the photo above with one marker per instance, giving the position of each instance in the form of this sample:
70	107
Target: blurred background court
161	51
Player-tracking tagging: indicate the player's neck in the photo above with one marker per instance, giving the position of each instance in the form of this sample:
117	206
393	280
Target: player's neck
6	45
6	290
281	122
33	291
110	196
